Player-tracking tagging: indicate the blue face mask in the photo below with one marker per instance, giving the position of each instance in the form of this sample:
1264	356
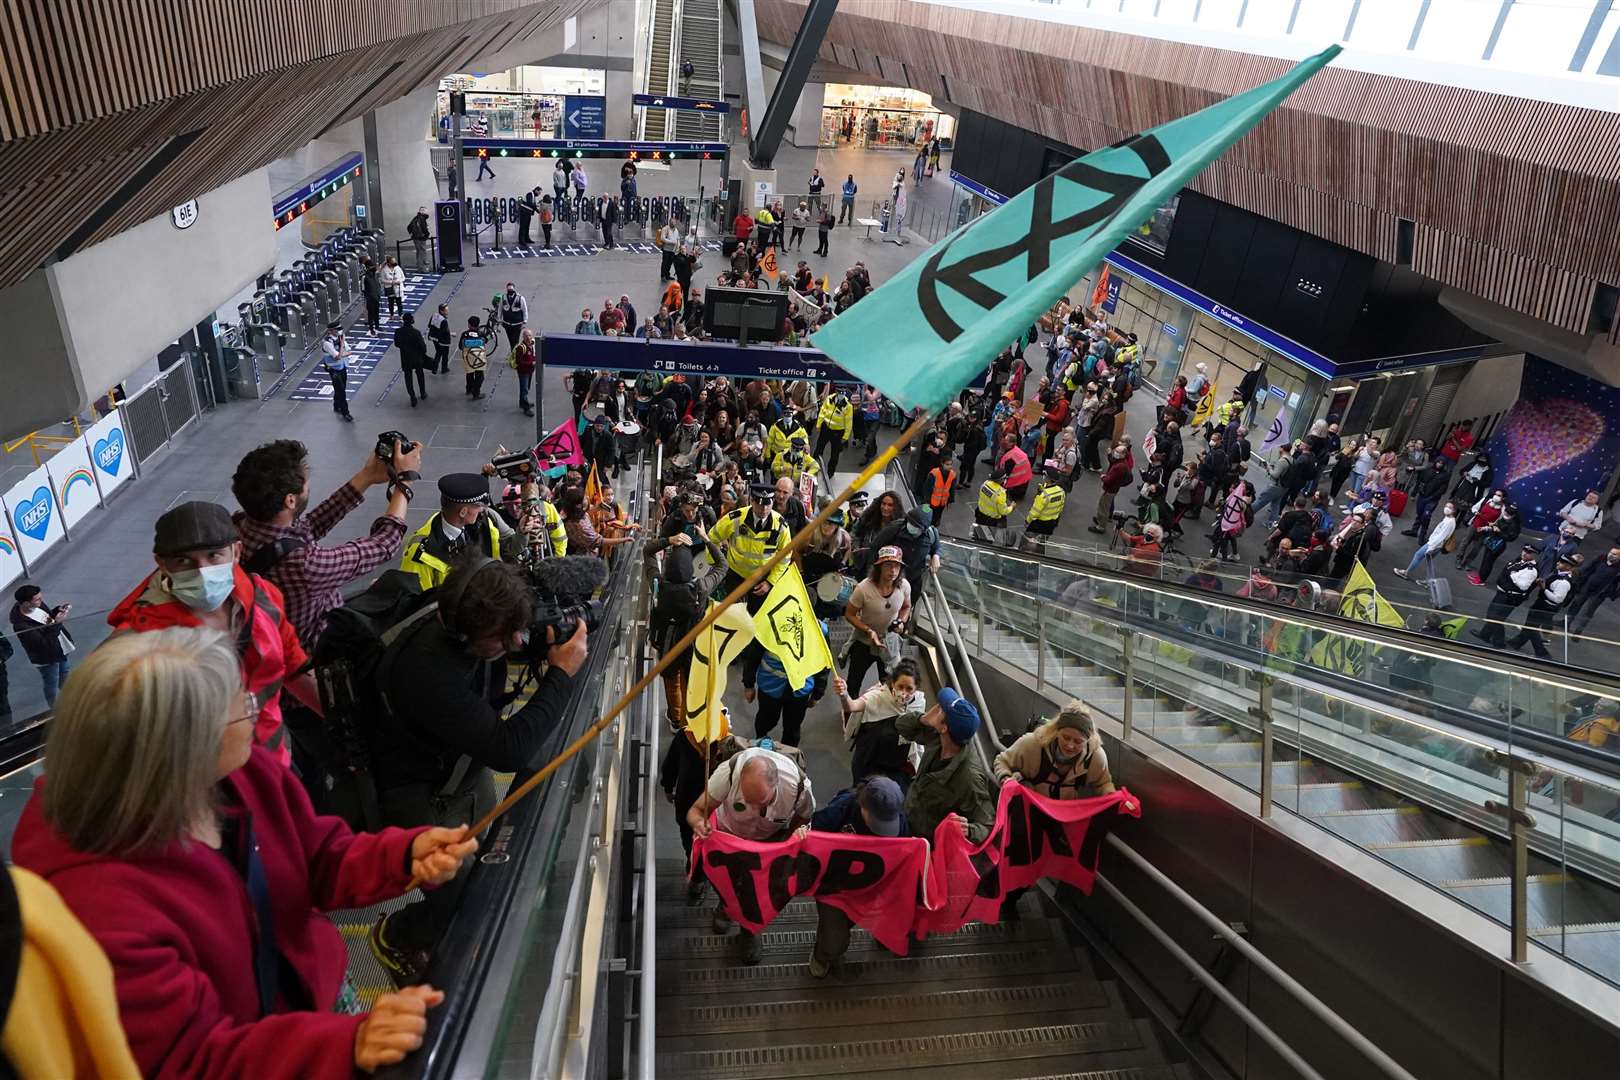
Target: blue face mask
204	589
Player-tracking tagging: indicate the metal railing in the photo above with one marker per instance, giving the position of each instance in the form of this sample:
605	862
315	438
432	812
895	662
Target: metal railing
948	636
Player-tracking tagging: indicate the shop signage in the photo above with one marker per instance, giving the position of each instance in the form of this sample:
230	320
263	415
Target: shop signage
185	215
584	117
682	104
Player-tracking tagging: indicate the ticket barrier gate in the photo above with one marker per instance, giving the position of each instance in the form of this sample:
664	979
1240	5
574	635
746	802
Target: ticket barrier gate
241	364
261	334
303	306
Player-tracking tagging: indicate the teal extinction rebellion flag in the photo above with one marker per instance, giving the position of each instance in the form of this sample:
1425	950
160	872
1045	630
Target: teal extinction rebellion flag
937	323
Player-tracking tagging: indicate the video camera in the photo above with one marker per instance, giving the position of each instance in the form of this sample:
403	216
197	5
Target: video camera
516	467
563	590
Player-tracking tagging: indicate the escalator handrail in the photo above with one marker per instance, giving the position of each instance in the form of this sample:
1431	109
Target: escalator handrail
1603	764
461	963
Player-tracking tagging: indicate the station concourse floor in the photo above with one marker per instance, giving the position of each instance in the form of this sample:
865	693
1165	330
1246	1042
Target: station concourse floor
100	565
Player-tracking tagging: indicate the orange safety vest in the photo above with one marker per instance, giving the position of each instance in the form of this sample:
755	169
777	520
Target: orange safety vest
943	482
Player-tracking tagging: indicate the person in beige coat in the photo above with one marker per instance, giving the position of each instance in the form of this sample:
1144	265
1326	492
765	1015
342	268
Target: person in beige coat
1061	759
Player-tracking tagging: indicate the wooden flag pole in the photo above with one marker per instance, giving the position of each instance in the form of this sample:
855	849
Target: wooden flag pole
877	465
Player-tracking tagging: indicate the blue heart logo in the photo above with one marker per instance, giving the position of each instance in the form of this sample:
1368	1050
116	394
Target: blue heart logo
33	516
109	452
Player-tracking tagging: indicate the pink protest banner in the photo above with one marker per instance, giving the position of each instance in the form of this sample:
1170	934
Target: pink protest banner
1034	837
894	887
872	878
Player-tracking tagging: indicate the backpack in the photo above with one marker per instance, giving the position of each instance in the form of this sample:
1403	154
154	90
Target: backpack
350	660
266	557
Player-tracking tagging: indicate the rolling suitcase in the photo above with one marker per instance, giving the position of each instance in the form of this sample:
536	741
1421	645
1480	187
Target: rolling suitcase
1439	589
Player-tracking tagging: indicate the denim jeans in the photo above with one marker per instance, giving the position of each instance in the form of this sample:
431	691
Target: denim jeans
52	674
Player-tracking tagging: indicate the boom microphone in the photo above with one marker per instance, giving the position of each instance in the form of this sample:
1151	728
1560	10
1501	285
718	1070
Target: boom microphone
569	575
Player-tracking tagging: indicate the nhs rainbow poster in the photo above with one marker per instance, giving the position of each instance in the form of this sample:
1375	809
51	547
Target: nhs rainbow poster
73	482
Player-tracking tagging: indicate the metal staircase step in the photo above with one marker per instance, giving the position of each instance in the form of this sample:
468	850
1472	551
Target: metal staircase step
1385	826
1016	997
743	980
965	1055
784	944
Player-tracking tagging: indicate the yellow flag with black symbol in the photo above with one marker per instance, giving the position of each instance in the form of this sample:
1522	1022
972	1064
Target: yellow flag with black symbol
1361	602
787	627
1206	406
723	640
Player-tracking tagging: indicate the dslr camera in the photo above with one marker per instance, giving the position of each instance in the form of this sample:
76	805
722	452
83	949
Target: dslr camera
385	452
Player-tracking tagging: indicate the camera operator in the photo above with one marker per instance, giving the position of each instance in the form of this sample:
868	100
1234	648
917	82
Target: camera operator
465	522
279	541
687	527
445	681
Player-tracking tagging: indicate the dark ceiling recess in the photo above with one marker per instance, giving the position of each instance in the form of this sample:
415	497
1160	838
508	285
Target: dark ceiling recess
127	191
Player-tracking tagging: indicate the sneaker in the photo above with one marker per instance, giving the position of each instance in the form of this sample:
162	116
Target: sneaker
819	968
404	966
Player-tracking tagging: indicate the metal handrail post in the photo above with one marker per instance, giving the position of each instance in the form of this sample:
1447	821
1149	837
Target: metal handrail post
1040	647
1127	656
1262	712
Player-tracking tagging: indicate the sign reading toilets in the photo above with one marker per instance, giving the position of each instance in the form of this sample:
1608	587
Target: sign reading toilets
71	476
36	520
110	454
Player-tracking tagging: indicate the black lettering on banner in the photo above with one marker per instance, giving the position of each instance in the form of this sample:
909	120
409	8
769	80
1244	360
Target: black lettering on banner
1016	851
791	875
739	867
1091	843
1037	243
848	870
989	873
1043	826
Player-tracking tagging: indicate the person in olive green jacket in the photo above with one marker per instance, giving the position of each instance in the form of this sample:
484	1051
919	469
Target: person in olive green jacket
951	781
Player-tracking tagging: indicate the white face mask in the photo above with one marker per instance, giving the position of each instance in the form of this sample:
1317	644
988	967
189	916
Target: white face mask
205	588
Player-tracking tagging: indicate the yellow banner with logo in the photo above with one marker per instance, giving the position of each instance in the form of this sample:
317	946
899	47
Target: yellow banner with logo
787	627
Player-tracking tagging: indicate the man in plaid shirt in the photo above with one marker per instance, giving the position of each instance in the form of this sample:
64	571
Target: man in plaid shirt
272	484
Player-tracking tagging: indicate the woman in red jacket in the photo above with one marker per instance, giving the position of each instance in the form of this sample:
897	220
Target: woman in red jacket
195	860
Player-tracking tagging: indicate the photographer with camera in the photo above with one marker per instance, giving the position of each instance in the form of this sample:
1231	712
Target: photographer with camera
279	540
465	522
444	681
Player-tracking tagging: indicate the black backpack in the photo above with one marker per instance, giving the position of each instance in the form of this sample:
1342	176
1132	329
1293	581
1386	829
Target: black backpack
350	661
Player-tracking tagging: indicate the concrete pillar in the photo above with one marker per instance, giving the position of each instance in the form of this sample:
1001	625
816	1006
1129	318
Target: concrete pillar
807	117
751	178
404	167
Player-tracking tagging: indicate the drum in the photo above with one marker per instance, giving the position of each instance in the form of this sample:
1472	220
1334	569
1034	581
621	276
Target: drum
835	589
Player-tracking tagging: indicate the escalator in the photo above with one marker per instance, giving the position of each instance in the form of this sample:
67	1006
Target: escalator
1015	999
1406	789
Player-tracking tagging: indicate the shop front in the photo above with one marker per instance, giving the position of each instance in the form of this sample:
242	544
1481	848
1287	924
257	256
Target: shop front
882	118
525	103
1178	328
